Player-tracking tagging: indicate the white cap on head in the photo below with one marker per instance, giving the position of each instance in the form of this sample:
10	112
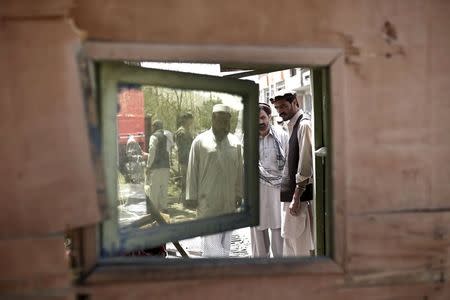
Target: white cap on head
221	108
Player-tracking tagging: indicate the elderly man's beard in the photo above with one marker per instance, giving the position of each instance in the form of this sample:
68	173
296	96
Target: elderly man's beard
220	133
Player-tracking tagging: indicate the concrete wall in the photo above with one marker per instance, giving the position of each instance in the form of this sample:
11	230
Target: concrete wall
395	107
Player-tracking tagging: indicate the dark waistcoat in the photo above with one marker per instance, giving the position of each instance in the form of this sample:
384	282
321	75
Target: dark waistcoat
288	183
161	155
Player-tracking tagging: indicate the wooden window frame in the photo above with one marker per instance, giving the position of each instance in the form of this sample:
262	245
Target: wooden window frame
141	269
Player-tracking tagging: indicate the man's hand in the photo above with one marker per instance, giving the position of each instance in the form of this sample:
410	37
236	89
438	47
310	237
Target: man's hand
294	206
144	155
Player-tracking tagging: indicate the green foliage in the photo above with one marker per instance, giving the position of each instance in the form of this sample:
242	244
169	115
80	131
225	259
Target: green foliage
168	104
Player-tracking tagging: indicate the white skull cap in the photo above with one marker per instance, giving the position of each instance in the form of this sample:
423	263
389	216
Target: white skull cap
221	108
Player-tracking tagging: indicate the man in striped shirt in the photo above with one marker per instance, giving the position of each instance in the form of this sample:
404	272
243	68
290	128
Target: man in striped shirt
273	141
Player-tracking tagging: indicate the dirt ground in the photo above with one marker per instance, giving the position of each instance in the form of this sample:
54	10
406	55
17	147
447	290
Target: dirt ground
132	207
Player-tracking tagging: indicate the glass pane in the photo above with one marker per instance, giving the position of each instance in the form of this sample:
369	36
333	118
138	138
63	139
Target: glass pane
180	155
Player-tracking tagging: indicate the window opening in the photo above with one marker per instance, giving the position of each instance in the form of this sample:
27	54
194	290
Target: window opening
142	106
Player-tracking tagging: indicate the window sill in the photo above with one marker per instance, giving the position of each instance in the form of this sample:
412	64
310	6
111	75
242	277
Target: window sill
145	269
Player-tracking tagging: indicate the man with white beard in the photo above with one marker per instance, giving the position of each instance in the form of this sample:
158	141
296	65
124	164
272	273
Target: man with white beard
214	177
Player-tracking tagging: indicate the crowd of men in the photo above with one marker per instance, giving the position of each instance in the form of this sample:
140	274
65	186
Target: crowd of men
211	168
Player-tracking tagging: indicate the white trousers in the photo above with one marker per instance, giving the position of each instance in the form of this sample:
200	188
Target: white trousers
216	245
262	244
158	185
296	231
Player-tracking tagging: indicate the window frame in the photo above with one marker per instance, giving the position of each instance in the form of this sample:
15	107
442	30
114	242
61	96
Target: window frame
292	72
93	271
113	73
280	85
266	94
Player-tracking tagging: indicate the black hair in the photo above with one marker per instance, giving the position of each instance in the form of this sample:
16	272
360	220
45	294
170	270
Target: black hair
186	115
289	97
157	124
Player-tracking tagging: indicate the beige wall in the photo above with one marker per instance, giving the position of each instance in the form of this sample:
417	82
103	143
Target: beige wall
395	105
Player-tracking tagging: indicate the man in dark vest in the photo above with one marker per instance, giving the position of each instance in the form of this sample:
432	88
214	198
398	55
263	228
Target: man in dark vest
157	172
297	181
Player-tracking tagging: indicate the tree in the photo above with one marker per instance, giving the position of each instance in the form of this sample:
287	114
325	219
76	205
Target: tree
168	104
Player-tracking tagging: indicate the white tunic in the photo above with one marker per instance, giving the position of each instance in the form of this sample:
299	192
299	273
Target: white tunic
214	175
269	203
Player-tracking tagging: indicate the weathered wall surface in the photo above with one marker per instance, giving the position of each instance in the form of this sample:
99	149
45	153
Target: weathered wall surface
47	181
395	104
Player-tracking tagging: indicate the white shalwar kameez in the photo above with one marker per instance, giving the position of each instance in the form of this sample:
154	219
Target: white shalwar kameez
214	178
158	179
269	195
296	230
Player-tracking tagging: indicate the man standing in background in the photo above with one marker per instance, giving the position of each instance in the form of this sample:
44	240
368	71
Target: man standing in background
183	139
273	141
157	172
135	161
214	177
